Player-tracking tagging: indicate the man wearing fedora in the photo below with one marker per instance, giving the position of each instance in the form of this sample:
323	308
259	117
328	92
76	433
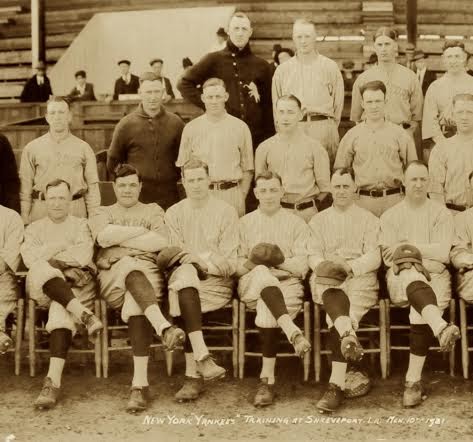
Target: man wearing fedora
127	83
424	75
38	87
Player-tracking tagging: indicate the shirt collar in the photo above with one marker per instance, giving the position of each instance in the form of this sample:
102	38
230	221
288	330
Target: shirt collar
237	51
140	112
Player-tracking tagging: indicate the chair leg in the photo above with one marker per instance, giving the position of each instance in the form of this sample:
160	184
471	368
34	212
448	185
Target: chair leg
382	339
32	336
20	322
235	337
452	352
169	358
98	343
105	354
387	306
307	335
317	342
464	338
241	340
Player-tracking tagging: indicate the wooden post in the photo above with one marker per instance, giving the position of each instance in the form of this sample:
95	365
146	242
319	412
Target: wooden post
38	35
411	20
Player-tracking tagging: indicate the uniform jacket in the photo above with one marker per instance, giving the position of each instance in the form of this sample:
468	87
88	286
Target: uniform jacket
122	88
33	92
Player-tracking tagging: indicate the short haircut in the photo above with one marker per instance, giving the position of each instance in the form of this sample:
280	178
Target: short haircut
453	44
80	73
57	99
344	171
415	163
462	97
148	76
56	183
214	82
304	21
386	31
194	163
187	62
124	169
290	97
267	175
156	60
375	85
239	14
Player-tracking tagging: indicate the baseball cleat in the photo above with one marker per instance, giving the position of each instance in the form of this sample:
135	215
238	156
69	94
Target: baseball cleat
209	370
191	390
300	343
5	342
350	347
139	397
173	337
264	394
48	397
331	400
448	336
414	394
92	323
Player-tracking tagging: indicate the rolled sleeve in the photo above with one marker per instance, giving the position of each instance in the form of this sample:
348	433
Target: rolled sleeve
437	170
246	152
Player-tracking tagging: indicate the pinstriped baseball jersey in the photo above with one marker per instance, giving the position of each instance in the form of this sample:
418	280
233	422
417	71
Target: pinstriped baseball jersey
450	163
377	156
463	235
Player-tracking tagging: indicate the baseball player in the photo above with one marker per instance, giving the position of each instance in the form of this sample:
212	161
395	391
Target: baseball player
58	252
403	91
58	154
344	258
206	229
317	81
300	161
416	238
11	236
378	151
272	263
223	142
451	160
9	178
437	121
129	233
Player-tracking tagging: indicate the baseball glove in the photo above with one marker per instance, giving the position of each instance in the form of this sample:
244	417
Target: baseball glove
77	277
356	384
169	259
266	254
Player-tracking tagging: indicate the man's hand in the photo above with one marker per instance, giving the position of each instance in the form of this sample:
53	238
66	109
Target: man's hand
222	265
189	258
77	277
57	264
388	251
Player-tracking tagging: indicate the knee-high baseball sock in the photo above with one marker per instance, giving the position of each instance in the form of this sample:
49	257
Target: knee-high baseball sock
420	339
59	342
337	306
60	291
339	364
191	366
191	313
269	343
422	298
274	300
140	332
143	293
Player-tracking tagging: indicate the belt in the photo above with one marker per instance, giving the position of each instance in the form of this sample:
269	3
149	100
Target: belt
223	185
456	207
37	195
299	206
374	193
314	117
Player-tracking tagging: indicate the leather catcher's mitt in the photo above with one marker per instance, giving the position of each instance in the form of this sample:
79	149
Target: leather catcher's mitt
169	259
266	254
356	384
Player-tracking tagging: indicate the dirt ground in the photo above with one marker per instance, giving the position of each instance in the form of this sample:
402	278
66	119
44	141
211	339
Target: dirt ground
92	409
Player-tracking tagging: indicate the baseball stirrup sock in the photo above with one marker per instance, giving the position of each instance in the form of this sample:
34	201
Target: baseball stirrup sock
59	342
140	332
335	345
339	371
274	300
141	289
336	303
269	338
59	290
420	339
191	311
140	371
416	365
268	368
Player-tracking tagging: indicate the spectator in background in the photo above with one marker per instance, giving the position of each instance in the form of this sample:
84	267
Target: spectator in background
221	42
127	83
425	76
276	48
38	87
157	68
283	55
372	61
9	179
82	91
347	74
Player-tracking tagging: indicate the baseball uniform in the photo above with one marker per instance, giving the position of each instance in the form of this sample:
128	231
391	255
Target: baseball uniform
203	231
378	158
226	147
40	239
352	234
303	165
319	87
462	246
291	234
44	160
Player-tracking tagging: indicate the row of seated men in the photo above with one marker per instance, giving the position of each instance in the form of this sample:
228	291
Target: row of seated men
198	247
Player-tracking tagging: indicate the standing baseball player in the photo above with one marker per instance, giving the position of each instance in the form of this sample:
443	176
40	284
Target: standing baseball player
318	83
11	236
223	142
58	155
129	234
344	258
246	76
451	160
58	252
148	139
300	161
272	263
403	91
378	151
205	228
416	237
9	179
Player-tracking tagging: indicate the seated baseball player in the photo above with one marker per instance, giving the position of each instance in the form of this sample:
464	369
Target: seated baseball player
58	252
205	228
344	258
11	236
416	237
129	234
272	263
